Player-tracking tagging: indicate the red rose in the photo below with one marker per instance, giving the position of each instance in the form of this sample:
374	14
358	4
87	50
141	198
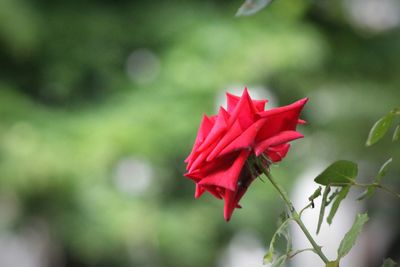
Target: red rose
219	162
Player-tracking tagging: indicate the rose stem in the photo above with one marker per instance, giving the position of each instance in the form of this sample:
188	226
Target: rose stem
294	213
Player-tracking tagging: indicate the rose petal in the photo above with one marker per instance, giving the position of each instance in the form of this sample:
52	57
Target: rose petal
229	204
280	119
232	199
245	140
260	104
278	139
204	129
227	177
234	131
244	111
215	191
298	105
233	100
219	127
199	159
277	153
300	121
199	191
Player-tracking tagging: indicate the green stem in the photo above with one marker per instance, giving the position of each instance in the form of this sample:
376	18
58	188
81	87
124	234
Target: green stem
316	247
294	213
377	185
306	207
384	188
300	251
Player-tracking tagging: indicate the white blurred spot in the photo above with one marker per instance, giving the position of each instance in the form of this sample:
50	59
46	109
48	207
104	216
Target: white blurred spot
256	93
373	15
133	176
142	66
245	249
30	247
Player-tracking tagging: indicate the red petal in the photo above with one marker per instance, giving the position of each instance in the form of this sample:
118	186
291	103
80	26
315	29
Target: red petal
232	199
229	205
199	159
245	140
227	177
219	126
233	132
204	129
244	111
280	119
233	100
199	191
298	105
215	191
277	153
193	176
300	121
278	139
260	104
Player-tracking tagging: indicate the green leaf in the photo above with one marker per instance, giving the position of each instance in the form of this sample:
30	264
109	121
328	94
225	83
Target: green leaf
316	194
379	129
250	7
396	134
282	230
350	237
341	172
268	257
332	264
388	263
383	170
367	193
342	195
332	197
323	206
279	261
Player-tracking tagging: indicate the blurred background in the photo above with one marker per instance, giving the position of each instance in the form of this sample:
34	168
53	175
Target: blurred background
100	103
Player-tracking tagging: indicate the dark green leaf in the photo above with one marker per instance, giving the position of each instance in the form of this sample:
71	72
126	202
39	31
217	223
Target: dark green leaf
388	263
383	170
332	197
323	206
332	264
350	237
342	195
251	7
279	261
367	193
396	134
379	129
341	172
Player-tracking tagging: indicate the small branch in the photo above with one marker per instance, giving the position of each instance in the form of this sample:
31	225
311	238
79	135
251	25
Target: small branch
300	251
382	187
390	191
306	207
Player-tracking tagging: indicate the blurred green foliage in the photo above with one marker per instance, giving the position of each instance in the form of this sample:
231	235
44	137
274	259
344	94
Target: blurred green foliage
69	113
